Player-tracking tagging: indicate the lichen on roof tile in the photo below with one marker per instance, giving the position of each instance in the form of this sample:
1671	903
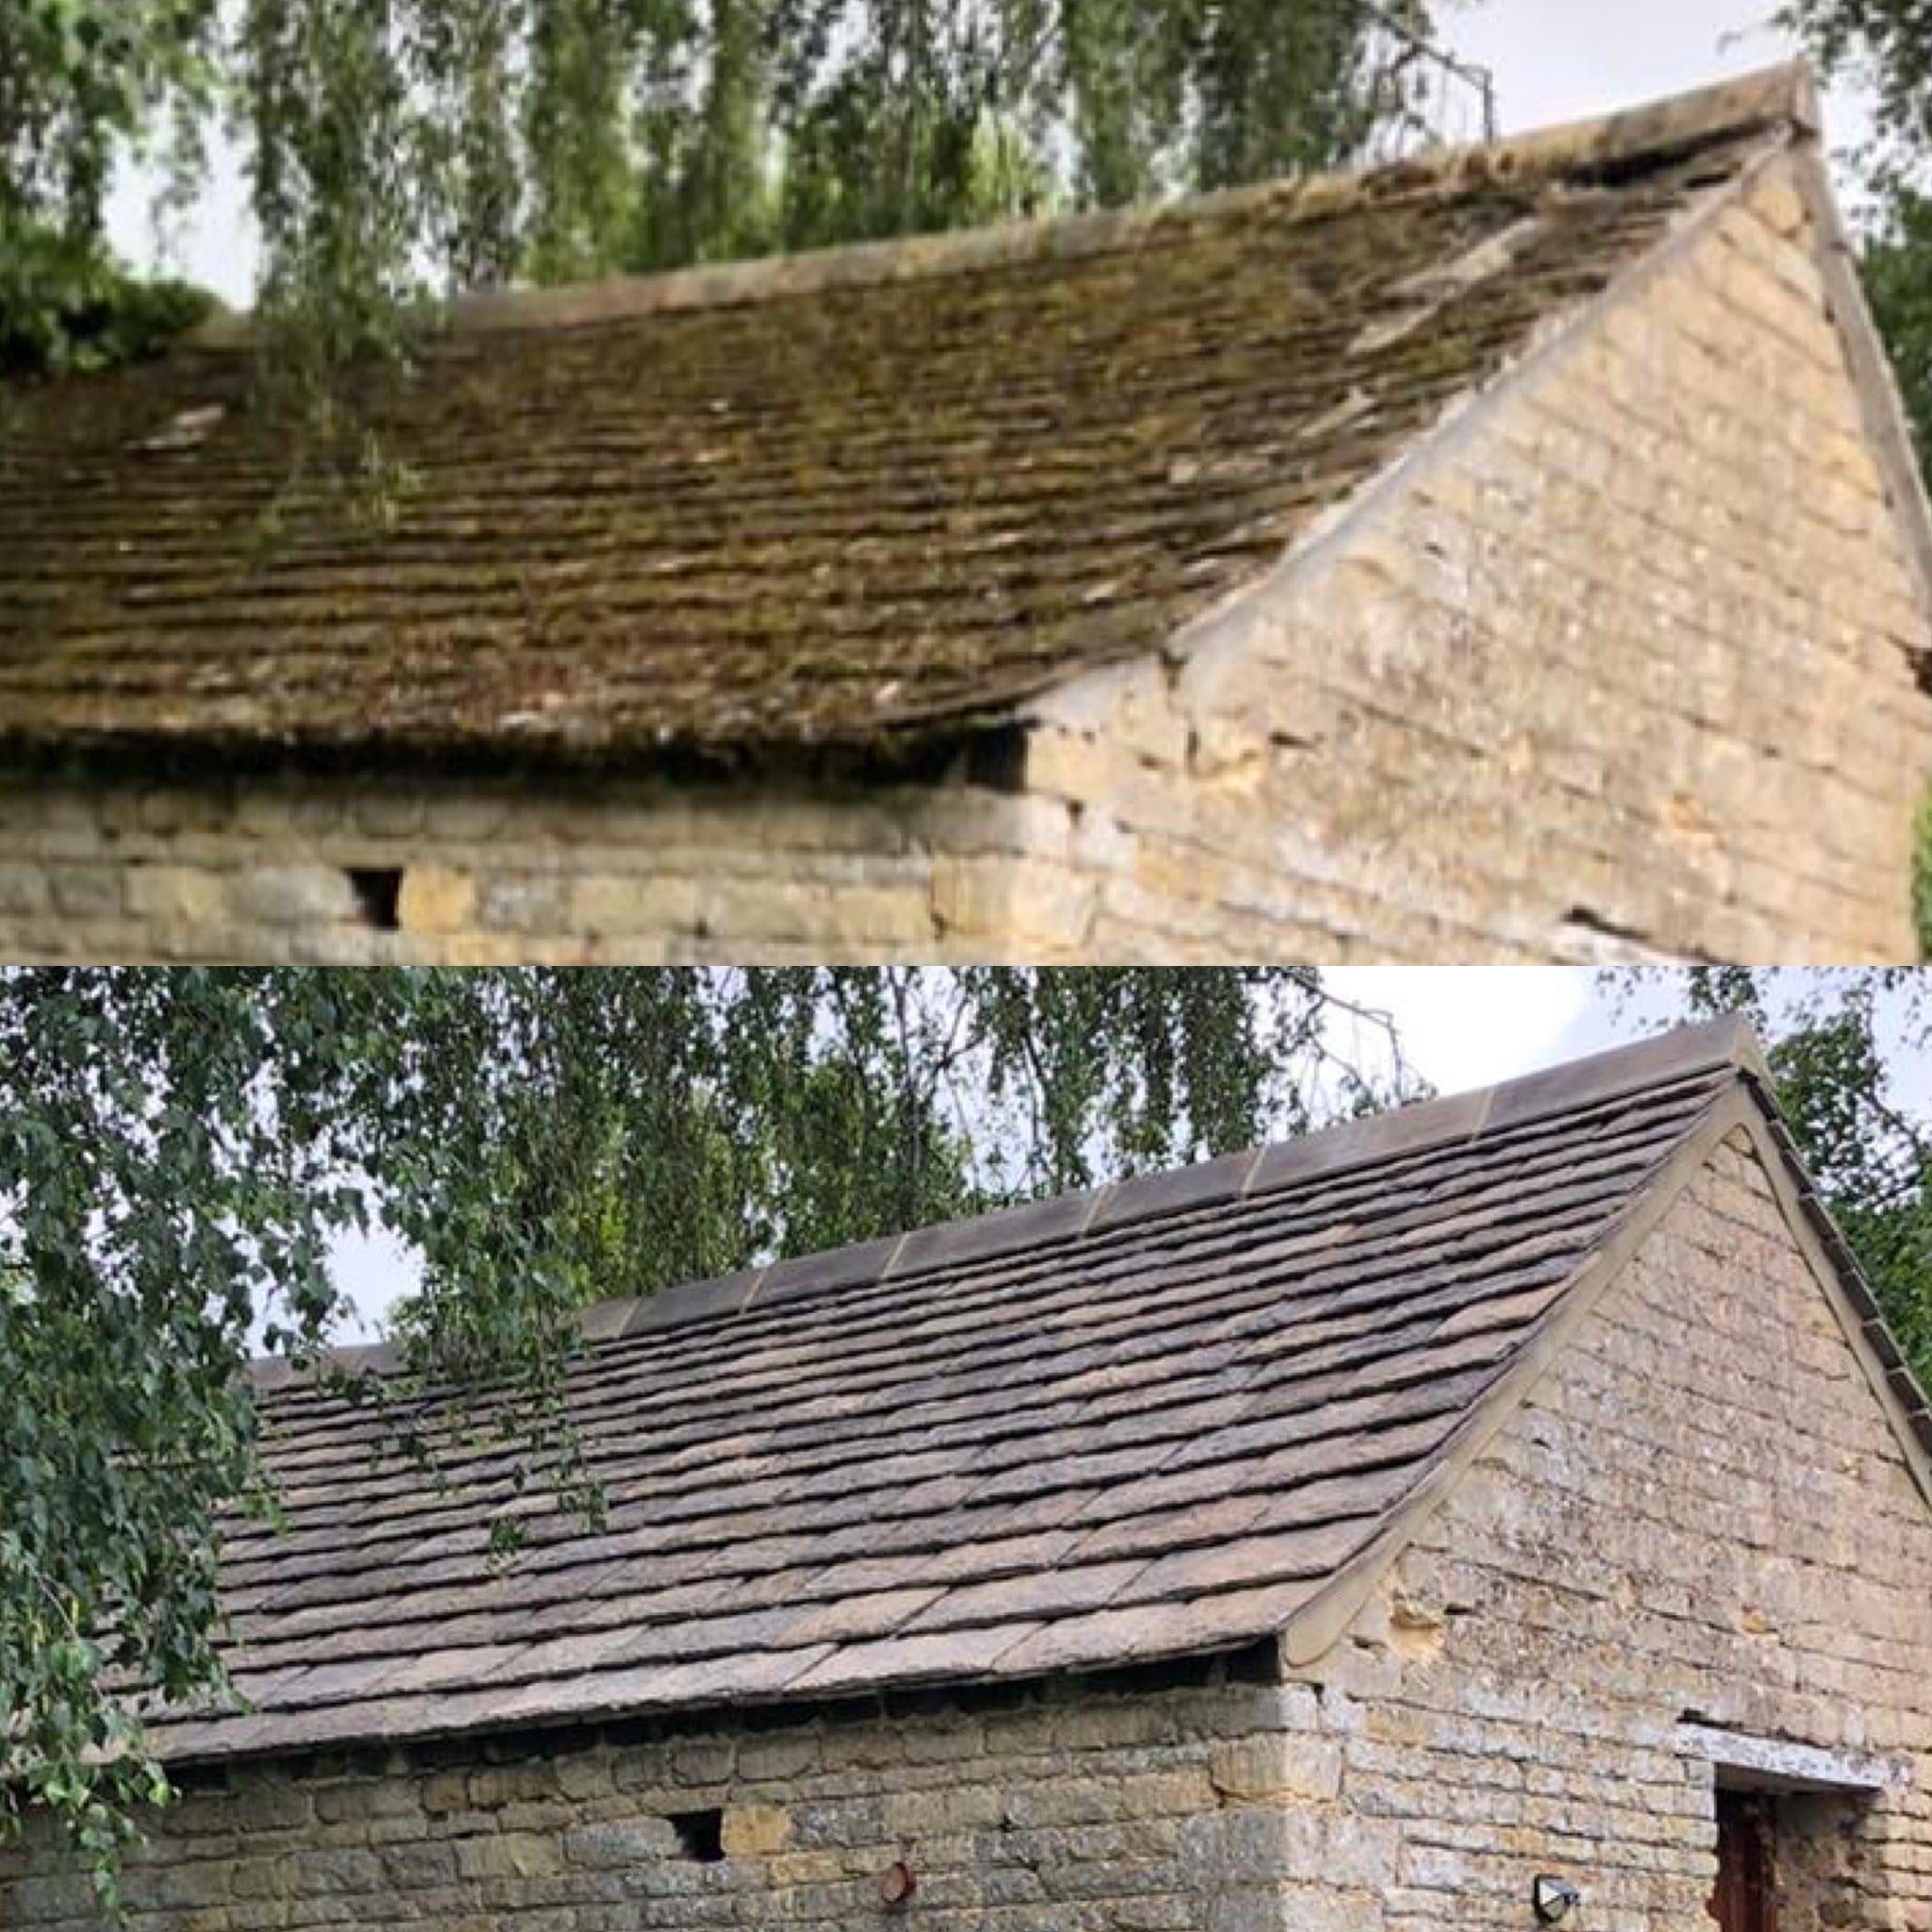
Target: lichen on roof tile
855	500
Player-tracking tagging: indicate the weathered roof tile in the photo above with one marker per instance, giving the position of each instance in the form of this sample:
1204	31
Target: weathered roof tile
854	499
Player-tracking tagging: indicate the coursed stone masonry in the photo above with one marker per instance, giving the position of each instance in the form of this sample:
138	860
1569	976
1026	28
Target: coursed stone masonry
1701	1510
1623	671
1155	1808
300	868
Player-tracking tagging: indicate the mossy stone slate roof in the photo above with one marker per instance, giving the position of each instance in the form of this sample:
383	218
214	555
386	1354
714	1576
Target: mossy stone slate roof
859	498
1154	1420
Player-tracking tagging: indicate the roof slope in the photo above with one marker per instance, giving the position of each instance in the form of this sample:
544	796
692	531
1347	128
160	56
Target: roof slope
854	498
1148	1420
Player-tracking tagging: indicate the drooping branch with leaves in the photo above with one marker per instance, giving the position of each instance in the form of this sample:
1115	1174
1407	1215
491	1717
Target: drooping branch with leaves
84	86
404	149
180	1152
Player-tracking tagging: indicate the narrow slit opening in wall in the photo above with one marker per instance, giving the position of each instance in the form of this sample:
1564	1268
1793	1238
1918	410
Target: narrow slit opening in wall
700	1835
379	890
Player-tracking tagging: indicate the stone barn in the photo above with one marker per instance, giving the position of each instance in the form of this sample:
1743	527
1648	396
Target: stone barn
1515	552
1507	1511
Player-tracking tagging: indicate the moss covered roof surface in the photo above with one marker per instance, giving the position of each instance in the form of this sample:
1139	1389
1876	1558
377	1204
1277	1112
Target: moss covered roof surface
847	499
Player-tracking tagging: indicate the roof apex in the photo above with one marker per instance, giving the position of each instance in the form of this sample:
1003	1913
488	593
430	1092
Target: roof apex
941	510
1214	1426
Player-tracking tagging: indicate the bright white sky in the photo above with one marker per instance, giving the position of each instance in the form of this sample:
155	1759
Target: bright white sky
1564	60
1553	60
1471	1025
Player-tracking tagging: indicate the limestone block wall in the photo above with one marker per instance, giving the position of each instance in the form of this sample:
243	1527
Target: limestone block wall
1700	1509
1620	668
298	868
1134	1809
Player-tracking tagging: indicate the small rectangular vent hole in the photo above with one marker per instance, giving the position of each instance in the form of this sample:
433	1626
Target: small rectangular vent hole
700	1835
378	889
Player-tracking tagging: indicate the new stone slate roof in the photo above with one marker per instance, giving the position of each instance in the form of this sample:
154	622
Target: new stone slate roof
1149	1421
862	498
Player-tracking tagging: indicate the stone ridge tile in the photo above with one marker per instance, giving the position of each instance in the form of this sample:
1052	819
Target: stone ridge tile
1205	1184
1158	1431
991	1237
858	1265
1347	1144
1715	1048
637	537
1465	1123
723	1294
1397	1208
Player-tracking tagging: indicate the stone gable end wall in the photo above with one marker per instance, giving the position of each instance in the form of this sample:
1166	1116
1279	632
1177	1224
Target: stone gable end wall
1622	670
1067	1810
1701	1507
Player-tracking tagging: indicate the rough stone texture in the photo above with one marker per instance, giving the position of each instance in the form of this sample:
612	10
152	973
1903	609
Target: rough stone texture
1620	670
1062	1812
1700	1508
1625	671
619	872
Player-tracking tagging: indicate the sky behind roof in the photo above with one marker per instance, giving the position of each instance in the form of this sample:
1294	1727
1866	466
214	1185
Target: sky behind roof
1566	59
1552	60
1460	1028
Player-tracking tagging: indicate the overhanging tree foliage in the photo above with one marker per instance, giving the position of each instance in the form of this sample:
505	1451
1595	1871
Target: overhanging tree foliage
82	84
399	147
178	1149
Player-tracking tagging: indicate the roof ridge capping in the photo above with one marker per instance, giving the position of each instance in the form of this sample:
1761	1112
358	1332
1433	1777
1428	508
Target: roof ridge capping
1783	97
1665	1059
1679	1054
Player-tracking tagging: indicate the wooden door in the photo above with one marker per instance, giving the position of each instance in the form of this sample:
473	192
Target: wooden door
1745	1899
